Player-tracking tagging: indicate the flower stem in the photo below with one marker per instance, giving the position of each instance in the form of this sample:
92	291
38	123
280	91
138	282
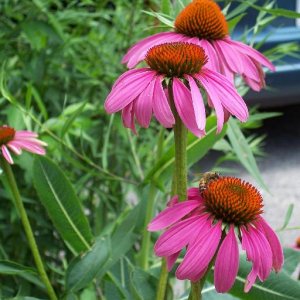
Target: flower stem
195	293
180	136
179	184
27	227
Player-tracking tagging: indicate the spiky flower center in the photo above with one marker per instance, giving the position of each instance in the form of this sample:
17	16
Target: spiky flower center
176	59
298	242
6	134
232	200
202	18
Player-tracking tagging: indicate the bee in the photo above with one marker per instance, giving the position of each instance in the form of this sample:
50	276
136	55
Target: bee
206	178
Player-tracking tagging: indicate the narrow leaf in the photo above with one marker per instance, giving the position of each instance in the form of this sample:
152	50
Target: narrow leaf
58	196
85	268
288	216
277	287
11	268
243	151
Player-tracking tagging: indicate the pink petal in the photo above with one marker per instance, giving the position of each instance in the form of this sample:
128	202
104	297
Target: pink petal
227	263
143	105
138	52
259	252
213	58
171	259
184	106
179	235
30	146
14	148
128	117
199	254
161	107
127	90
6	154
250	280
214	98
230	55
25	134
228	95
172	214
253	53
277	252
198	104
254	85
130	75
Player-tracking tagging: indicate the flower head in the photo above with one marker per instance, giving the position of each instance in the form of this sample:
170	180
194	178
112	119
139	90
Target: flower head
208	225
180	67
202	23
16	141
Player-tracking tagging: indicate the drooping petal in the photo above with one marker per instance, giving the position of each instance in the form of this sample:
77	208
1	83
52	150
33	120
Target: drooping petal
16	149
277	252
198	104
172	214
171	259
127	90
6	154
259	252
30	146
227	263
230	56
161	107
184	106
25	134
179	235
128	117
199	254
138	52
214	98
253	53
143	105
228	95
213	58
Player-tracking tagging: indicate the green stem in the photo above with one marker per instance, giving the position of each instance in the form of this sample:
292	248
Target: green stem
163	281
179	184
195	293
180	136
28	230
144	258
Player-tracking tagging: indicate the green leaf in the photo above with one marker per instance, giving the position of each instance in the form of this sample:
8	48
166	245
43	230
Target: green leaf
11	268
161	17
291	260
277	287
278	12
196	149
166	7
144	284
57	195
85	268
122	238
209	293
288	216
243	151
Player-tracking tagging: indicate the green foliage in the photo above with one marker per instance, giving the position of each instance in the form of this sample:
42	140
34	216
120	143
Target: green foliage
87	201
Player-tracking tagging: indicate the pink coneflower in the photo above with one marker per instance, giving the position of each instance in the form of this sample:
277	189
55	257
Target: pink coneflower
208	225
16	141
202	23
180	67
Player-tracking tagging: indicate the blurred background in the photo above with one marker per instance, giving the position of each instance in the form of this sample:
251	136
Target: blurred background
59	60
